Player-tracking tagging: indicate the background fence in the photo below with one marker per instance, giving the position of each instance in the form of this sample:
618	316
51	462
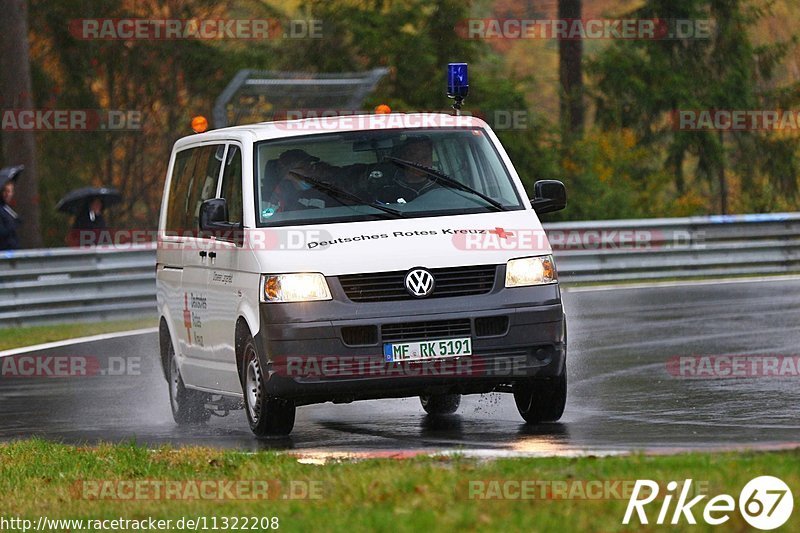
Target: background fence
65	284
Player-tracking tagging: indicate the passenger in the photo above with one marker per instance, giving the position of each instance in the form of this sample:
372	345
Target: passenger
292	193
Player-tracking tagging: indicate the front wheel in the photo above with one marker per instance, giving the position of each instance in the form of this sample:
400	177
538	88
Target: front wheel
268	416
188	406
440	404
541	400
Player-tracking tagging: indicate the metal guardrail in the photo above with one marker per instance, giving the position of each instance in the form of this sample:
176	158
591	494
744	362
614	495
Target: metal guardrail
66	284
650	249
70	284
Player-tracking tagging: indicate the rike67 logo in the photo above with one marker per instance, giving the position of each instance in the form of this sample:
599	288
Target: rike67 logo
765	503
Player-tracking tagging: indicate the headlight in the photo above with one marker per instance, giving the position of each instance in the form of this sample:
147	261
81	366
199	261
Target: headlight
531	271
294	288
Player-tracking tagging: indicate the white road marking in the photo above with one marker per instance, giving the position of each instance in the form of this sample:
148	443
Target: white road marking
686	283
80	340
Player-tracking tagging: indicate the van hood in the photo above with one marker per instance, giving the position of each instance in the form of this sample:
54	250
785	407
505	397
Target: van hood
401	244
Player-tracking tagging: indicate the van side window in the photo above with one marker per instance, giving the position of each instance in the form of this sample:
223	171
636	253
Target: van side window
232	184
178	192
194	180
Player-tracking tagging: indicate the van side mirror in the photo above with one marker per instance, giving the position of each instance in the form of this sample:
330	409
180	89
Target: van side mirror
214	220
213	213
548	196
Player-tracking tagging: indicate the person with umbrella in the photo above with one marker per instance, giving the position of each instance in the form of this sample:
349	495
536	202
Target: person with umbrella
9	220
91	217
87	205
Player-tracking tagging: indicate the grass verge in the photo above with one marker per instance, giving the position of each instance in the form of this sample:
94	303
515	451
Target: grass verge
39	478
30	335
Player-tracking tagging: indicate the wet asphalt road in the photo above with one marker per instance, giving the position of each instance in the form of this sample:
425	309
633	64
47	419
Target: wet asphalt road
621	395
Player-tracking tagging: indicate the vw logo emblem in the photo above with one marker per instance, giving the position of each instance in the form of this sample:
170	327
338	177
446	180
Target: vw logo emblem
420	283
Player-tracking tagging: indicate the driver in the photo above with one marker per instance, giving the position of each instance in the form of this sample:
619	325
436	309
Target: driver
409	183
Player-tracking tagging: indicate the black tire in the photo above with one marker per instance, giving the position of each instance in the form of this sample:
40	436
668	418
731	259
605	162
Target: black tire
541	400
268	416
440	404
188	406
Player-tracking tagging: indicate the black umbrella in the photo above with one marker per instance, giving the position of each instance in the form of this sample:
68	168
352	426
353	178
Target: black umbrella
77	199
10	173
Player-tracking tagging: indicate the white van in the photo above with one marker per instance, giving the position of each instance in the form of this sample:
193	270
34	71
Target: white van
352	258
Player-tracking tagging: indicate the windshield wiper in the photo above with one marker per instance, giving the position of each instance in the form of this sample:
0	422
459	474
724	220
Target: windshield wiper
341	193
441	177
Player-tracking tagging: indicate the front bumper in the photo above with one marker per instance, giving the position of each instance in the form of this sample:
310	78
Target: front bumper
311	360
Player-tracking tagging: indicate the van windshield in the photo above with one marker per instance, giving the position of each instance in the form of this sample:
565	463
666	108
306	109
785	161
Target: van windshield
366	175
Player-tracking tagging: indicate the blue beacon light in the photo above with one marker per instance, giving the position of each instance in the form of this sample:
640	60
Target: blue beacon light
457	84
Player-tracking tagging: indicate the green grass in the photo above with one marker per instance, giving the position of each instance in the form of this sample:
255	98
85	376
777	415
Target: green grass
30	335
421	494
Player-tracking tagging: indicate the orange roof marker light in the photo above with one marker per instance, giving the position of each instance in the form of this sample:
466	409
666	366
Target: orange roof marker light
199	124
383	109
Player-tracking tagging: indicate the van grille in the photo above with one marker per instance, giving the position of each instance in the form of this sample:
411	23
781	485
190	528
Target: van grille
437	329
390	286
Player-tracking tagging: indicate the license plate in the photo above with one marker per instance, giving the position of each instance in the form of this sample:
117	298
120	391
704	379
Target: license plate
424	350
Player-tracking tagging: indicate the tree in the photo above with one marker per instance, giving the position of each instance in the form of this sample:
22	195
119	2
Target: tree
640	83
19	147
167	82
570	73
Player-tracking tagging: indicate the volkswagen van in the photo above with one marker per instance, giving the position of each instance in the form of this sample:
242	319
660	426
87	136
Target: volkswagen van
352	258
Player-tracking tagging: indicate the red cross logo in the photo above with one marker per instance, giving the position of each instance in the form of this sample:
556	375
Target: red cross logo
503	234
187	317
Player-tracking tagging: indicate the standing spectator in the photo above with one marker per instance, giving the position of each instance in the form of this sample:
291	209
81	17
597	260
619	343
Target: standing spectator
87	205
9	220
91	217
